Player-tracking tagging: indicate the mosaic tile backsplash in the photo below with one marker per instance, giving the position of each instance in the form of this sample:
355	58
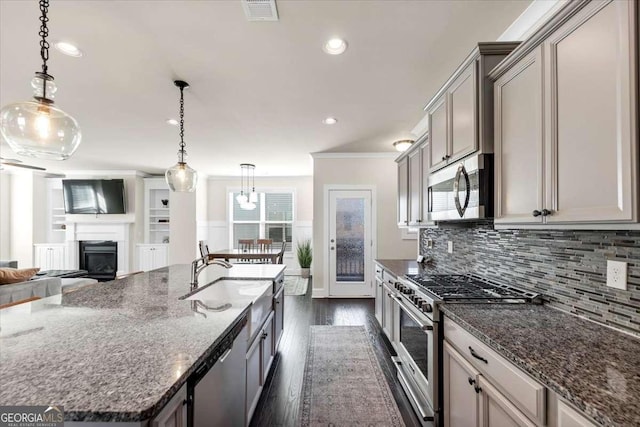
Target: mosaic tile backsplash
568	266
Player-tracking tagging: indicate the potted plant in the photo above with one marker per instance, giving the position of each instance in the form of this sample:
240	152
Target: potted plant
304	257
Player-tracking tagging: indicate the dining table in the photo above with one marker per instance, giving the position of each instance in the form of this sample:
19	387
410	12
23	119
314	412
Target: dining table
246	254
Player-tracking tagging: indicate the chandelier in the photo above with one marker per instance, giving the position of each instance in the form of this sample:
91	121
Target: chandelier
247	199
38	128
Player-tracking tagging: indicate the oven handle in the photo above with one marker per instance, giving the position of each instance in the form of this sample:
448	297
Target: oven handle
425	326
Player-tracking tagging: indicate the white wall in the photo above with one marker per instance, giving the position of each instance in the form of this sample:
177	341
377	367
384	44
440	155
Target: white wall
217	215
5	215
377	170
21	208
183	241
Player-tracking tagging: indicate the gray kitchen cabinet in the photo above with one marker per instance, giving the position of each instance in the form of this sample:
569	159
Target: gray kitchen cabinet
495	410
259	358
403	192
388	311
218	397
588	130
460	395
415	187
438	132
425	154
379	295
460	114
278	321
518	142
174	413
569	417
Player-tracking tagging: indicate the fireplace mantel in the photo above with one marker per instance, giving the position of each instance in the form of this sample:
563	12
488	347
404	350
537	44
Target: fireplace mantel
117	231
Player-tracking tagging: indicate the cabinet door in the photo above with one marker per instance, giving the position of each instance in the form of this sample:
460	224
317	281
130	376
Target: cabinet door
415	187
403	192
40	257
495	410
518	142
569	417
254	377
268	347
462	100
438	134
591	115
278	301
174	414
425	153
160	257
388	315
57	258
379	301
460	396
145	258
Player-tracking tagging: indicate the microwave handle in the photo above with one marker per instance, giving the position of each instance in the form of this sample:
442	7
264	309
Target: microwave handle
430	199
456	190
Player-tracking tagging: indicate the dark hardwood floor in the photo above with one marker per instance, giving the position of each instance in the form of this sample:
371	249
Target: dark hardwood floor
280	400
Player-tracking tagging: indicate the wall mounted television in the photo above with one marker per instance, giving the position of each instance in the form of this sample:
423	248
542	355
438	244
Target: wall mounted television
94	196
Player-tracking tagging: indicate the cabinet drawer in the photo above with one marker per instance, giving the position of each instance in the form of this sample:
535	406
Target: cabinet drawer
525	393
388	277
379	272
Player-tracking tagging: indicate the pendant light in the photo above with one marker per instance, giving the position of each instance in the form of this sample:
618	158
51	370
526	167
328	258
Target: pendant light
247	199
38	128
181	177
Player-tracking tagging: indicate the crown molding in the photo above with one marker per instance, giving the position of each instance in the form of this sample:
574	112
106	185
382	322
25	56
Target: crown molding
381	155
108	172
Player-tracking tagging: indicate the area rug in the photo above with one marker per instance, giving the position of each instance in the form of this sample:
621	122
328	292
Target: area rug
343	382
295	285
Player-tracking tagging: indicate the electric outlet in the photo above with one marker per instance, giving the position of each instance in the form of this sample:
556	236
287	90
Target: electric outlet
617	274
450	246
429	243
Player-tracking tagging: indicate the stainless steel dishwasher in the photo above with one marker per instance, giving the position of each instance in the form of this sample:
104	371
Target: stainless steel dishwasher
217	389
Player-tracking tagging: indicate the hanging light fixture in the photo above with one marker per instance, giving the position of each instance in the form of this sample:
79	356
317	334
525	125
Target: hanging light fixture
38	128
181	177
247	199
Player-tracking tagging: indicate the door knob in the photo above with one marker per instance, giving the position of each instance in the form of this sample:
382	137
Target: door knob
546	212
537	213
332	248
332	240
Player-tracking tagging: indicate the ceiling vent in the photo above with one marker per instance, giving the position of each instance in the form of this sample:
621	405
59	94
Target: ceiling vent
260	10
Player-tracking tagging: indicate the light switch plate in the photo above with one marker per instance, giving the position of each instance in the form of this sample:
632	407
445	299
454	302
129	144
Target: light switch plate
450	246
617	274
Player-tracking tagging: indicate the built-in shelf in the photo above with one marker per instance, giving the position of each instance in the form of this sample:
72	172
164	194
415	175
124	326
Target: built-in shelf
156	190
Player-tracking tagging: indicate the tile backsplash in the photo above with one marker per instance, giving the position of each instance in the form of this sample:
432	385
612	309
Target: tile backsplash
568	266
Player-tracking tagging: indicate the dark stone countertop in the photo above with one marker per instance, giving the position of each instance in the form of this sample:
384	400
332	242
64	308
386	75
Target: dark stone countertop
113	351
399	267
592	366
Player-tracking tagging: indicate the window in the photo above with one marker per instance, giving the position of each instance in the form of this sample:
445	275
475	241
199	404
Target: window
271	219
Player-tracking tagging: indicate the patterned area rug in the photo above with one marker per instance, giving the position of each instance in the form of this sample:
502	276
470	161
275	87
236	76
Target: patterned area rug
295	285
343	382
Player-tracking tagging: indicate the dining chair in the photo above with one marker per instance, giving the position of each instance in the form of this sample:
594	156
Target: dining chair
204	248
245	245
264	245
281	253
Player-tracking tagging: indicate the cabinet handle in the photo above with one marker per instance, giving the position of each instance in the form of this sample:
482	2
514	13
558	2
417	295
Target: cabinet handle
444	158
477	356
537	213
471	381
546	212
477	389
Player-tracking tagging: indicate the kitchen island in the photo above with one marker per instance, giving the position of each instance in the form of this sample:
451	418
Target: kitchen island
116	351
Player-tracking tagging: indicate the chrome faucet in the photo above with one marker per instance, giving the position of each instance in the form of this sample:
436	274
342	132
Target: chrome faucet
200	264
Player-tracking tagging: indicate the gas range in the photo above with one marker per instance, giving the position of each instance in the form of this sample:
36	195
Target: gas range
426	292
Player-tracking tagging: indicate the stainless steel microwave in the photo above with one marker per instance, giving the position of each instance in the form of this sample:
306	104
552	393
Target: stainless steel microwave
463	190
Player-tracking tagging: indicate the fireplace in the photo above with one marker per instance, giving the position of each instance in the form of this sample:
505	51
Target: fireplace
99	258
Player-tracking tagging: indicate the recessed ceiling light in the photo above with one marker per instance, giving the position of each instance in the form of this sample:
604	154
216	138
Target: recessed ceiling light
172	122
68	49
335	46
330	121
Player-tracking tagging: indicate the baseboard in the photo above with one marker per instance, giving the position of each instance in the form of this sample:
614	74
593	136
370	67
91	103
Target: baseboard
319	293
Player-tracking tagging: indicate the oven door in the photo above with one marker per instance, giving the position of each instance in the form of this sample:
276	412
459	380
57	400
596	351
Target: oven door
416	340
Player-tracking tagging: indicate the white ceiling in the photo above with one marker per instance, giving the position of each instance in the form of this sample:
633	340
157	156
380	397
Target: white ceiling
259	90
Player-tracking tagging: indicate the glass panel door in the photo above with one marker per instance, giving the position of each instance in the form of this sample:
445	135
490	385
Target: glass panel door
350	243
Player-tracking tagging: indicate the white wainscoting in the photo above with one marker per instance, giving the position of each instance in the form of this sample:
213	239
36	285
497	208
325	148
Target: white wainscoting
217	237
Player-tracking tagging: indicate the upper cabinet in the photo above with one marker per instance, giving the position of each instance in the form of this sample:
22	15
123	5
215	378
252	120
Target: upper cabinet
413	175
566	120
460	115
403	192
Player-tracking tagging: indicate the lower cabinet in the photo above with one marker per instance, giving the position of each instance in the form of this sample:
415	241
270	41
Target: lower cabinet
569	417
174	414
495	410
460	395
278	309
387	313
151	257
50	256
259	358
379	300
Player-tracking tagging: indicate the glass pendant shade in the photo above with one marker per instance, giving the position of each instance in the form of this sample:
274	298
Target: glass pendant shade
38	128
253	197
248	206
182	178
241	199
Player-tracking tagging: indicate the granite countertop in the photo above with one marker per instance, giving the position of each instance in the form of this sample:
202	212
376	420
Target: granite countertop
113	351
592	366
400	267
